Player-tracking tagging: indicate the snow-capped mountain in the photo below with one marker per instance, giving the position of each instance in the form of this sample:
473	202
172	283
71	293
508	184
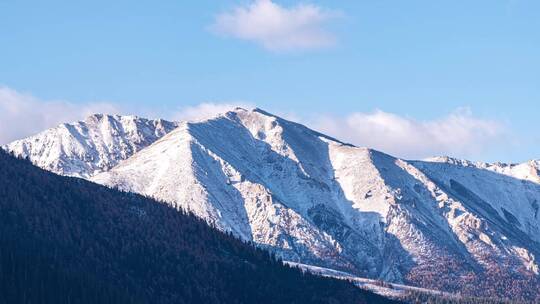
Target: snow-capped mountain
441	223
96	144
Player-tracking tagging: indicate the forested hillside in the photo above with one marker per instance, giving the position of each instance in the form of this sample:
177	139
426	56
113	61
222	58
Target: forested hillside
413	297
66	240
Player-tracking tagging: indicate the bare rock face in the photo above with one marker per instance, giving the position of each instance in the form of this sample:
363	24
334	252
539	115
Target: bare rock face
440	223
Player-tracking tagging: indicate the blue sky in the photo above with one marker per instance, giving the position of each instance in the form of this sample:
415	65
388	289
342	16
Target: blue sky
425	64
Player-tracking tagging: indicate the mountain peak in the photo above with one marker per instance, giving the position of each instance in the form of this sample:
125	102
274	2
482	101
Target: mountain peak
93	145
261	111
312	198
98	117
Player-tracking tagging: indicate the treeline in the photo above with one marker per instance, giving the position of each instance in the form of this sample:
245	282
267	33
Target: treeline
66	240
417	297
506	281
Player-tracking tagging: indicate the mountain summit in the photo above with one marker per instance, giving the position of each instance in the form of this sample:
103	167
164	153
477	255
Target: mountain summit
84	148
441	223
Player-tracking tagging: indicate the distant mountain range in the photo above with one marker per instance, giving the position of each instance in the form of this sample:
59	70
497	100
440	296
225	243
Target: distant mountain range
440	223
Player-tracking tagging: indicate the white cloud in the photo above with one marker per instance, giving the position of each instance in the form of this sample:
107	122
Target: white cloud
22	115
458	134
207	110
276	27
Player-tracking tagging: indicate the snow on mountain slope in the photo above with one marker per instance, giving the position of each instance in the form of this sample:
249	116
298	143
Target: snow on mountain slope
315	200
84	148
394	291
225	172
442	223
529	171
505	197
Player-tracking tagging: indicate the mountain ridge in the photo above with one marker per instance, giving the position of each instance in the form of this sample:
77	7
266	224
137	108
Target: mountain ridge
443	223
96	144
